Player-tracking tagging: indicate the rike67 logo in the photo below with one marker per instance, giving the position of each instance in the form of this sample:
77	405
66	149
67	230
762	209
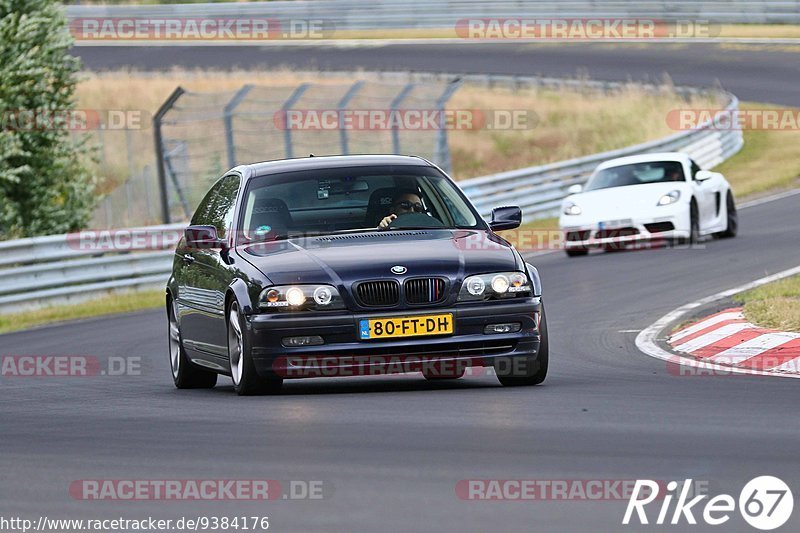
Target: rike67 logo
765	502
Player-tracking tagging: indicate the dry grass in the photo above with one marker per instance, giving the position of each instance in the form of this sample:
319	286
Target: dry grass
772	31
567	123
535	236
126	302
769	160
775	305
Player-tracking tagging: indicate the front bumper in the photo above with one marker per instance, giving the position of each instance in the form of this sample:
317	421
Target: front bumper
344	354
582	232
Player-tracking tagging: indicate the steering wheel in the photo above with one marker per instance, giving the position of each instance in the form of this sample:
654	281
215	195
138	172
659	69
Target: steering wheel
415	220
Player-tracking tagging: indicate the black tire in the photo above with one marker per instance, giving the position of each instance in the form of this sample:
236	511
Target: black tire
246	380
694	218
732	228
534	367
185	374
575	252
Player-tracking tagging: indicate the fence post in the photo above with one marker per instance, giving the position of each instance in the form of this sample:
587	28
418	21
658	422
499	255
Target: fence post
442	154
287	132
394	107
230	107
162	176
343	103
174	175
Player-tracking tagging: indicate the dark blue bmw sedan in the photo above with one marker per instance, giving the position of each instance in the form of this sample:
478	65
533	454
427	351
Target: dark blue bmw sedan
349	265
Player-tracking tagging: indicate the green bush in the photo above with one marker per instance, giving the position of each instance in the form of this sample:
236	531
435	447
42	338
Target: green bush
45	188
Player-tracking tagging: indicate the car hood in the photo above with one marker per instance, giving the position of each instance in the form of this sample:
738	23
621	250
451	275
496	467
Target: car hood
624	202
346	258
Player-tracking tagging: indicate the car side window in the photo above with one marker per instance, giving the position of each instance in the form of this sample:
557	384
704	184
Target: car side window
202	215
218	206
224	204
695	169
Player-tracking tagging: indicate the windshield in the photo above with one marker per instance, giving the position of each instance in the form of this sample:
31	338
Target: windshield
636	174
325	201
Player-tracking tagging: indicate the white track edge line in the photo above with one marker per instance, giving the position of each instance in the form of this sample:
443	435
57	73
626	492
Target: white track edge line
646	340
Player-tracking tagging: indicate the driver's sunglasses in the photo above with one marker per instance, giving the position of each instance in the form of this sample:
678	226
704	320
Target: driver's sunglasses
409	206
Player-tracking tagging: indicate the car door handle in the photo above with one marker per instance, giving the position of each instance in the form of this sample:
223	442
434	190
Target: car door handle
188	259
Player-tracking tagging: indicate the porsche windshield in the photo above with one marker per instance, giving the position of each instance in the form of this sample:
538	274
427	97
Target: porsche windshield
375	198
636	174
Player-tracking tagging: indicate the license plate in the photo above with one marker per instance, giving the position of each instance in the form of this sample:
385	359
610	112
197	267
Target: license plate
406	326
611	224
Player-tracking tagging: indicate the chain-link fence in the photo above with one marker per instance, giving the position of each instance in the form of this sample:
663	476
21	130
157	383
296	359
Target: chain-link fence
200	135
128	190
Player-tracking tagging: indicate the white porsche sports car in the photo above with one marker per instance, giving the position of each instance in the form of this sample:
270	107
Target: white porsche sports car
647	197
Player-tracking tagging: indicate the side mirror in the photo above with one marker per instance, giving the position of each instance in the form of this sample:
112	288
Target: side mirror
202	237
703	175
575	189
503	218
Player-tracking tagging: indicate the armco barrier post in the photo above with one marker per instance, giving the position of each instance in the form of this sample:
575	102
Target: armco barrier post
343	103
230	108
394	107
442	154
157	137
287	131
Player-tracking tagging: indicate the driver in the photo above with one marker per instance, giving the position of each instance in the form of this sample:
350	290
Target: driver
403	203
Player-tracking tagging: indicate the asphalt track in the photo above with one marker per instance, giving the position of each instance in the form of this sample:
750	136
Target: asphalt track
390	450
755	73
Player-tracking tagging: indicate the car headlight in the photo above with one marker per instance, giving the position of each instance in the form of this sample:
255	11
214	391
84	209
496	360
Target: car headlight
494	286
571	208
670	198
297	297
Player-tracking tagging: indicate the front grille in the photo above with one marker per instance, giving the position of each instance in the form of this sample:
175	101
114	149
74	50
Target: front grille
425	290
659	227
614	233
384	293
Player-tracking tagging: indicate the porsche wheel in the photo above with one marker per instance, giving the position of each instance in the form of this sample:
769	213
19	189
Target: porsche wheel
732	227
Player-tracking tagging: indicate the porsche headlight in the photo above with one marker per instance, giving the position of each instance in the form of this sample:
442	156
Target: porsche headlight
670	198
298	297
571	208
494	286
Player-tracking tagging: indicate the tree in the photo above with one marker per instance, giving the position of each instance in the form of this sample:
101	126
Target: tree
45	186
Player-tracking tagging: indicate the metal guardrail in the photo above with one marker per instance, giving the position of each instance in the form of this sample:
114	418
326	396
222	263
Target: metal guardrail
347	15
45	270
539	190
65	268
